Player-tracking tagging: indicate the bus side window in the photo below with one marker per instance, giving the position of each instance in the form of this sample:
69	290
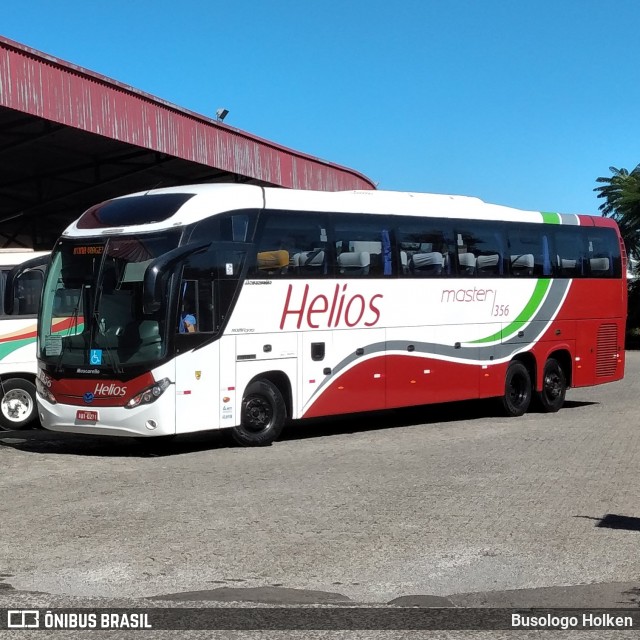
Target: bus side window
569	253
363	247
196	304
603	253
237	227
3	277
28	289
292	245
528	253
481	249
229	227
424	248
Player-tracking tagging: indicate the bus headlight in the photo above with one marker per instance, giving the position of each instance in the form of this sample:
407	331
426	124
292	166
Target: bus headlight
150	394
43	391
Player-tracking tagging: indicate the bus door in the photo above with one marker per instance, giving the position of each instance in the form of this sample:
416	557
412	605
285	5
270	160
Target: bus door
197	351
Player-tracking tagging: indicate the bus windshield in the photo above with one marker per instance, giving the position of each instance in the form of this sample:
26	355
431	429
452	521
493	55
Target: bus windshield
91	312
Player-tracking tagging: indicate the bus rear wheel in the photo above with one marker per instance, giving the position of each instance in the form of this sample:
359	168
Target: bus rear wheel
554	387
18	404
263	415
517	390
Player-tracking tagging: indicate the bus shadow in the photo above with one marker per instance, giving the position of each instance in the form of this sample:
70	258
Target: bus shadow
50	442
386	419
53	443
404	417
569	404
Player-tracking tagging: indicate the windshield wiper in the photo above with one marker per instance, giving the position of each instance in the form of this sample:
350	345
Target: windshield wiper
72	325
97	328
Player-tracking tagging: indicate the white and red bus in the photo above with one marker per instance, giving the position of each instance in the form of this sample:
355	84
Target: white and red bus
18	316
236	306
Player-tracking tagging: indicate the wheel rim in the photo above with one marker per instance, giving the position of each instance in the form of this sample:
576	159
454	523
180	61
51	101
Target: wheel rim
17	405
518	390
553	385
258	413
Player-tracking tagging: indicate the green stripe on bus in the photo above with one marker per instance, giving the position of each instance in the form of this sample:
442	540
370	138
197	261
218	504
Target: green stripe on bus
550	218
539	292
9	347
13	345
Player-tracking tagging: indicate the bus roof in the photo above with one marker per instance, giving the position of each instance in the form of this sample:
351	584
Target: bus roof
14	256
209	199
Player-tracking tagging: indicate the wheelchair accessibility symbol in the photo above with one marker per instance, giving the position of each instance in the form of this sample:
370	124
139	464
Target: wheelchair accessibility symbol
95	356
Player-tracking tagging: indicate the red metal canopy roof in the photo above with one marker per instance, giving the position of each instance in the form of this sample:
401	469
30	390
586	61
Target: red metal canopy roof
70	138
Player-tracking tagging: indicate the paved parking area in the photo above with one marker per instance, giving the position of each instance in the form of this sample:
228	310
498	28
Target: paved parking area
436	505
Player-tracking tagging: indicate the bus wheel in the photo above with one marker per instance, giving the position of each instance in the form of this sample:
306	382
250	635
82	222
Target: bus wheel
18	405
263	415
554	387
517	390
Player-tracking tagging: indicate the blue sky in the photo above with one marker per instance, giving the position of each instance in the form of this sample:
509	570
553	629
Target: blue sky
522	103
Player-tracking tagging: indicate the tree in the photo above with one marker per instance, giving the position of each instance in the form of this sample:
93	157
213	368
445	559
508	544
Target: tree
621	192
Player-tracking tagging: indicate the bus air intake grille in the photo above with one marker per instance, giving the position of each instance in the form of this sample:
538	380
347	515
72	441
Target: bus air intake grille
607	350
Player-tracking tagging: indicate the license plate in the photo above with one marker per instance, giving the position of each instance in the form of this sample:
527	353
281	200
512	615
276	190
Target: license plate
87	416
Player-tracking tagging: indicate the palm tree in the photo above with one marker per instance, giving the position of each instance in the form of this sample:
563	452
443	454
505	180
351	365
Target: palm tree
621	192
622	203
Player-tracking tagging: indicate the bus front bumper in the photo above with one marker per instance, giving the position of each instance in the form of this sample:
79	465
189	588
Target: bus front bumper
156	419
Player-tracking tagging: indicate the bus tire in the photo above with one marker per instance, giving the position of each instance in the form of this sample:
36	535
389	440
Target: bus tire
554	387
263	415
18	409
517	390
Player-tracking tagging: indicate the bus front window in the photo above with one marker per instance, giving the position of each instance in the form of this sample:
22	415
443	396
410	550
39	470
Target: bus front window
92	304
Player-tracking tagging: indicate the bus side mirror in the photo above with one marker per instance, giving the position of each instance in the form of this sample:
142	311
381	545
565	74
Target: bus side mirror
12	277
152	290
156	275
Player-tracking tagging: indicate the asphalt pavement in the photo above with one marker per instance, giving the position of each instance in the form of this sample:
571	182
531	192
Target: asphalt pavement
447	505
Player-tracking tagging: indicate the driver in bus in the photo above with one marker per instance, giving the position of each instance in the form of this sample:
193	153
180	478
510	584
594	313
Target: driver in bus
187	322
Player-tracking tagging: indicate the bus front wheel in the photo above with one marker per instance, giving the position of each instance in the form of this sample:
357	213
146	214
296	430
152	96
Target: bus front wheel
554	387
517	390
263	415
18	404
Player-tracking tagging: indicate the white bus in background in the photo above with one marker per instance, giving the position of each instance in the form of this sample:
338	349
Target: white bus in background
18	336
